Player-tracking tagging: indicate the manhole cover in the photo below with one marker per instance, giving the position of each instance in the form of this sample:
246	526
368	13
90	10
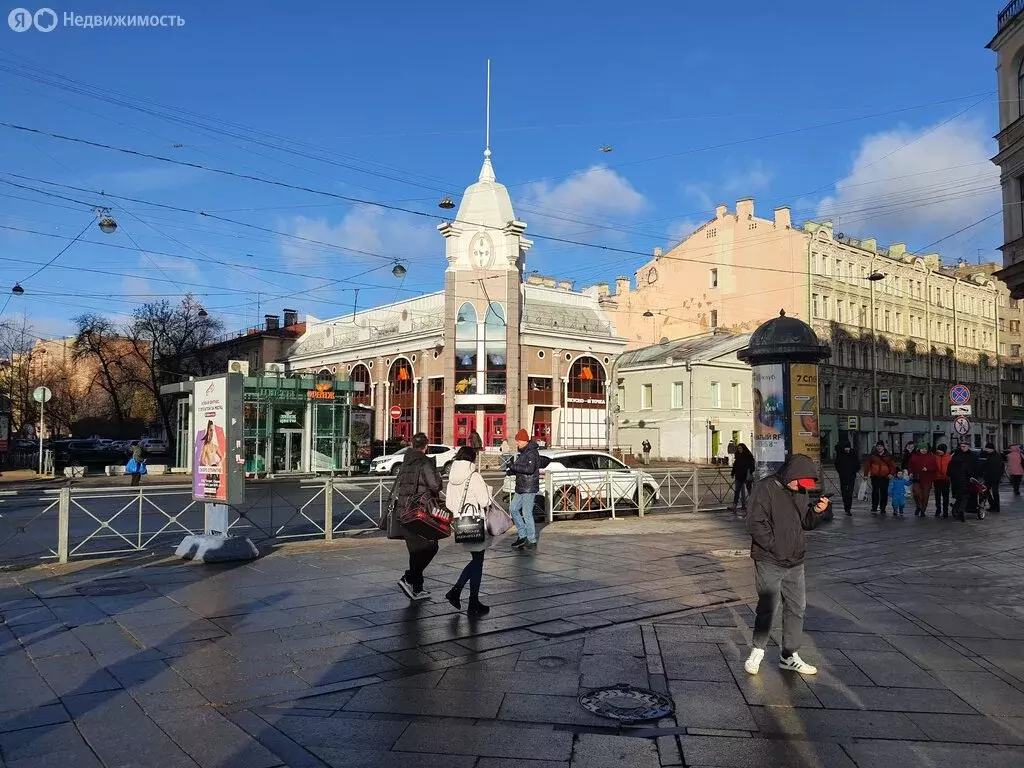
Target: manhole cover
627	703
730	553
110	588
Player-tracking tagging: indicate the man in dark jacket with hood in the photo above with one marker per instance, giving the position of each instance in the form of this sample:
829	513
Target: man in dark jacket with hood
963	465
526	468
779	513
848	467
417	475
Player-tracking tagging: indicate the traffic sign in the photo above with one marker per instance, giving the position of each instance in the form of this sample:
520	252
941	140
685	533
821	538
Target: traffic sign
852	423
396	412
960	410
42	394
959	395
883	397
961	425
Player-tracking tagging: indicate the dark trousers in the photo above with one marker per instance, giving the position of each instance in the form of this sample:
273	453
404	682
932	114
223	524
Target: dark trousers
965	503
1015	482
879	493
941	497
739	492
993	496
775	585
421	552
473	573
136	479
846	490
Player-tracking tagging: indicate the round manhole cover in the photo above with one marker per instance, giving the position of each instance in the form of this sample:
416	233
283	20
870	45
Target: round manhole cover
110	588
627	703
730	553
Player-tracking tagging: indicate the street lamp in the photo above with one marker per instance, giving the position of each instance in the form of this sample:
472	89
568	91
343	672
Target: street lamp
106	222
398	270
17	290
873	278
202	312
446	203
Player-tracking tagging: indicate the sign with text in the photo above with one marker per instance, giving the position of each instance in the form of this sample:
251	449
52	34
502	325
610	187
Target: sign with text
323	391
769	417
960	410
218	464
803	407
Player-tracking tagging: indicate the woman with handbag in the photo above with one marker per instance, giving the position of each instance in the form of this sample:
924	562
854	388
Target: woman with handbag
468	499
415	493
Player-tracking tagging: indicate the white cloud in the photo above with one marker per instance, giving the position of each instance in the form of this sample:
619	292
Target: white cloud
364	228
748	182
599	191
918	184
682	229
699	192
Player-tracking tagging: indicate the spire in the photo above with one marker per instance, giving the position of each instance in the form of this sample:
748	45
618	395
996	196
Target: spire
487	170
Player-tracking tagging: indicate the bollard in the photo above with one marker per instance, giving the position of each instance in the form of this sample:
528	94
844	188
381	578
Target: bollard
329	510
611	491
550	497
63	523
640	500
696	489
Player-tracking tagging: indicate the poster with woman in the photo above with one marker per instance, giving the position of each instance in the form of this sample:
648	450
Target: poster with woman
211	459
769	418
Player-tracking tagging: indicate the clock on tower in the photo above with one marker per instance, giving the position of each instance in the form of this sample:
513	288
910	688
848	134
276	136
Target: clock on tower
481	252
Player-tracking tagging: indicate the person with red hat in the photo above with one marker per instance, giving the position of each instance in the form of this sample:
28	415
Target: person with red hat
526	468
781	507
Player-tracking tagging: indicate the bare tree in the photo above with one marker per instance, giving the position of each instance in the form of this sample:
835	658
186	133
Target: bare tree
118	364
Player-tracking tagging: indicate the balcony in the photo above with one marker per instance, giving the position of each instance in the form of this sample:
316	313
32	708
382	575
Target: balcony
1009	13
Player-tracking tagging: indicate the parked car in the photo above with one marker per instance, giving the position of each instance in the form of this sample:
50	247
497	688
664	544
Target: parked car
86	453
443	455
154	446
581	480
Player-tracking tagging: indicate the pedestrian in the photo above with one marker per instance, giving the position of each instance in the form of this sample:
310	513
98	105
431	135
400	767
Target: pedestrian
417	475
780	512
992	468
468	494
963	468
848	467
742	471
646	447
908	450
879	467
1015	468
136	466
922	469
941	480
526	468
898	492
477	444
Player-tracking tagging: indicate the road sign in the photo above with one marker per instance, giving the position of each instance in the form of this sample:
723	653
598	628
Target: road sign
883	397
42	394
396	412
960	410
959	395
853	423
961	425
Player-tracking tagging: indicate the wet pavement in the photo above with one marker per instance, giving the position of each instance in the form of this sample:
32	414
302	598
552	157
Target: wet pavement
311	656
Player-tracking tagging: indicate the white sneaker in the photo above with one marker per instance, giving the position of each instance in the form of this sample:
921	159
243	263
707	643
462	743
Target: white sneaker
795	664
753	662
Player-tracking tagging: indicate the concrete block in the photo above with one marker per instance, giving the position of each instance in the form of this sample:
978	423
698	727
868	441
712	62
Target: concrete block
216	549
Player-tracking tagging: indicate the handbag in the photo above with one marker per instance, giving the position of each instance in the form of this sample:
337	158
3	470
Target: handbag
862	490
389	522
426	518
470	526
498	520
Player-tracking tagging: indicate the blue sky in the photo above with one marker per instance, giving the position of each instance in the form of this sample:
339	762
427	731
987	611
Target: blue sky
878	114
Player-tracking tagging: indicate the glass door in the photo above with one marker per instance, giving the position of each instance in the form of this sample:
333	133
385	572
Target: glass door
288	450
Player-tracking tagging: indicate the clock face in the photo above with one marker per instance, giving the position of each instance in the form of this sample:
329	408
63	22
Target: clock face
481	251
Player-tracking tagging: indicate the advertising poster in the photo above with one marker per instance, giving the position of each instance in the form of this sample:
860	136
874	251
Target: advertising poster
217	460
769	418
803	389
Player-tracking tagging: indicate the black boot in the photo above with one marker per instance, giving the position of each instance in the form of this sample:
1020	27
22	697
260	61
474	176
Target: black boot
476	608
454	596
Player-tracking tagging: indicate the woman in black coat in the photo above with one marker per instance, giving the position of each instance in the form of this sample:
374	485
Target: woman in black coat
743	474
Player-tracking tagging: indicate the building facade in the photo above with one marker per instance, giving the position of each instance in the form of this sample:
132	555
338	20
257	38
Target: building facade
689	398
1008	45
490	353
251	350
904	329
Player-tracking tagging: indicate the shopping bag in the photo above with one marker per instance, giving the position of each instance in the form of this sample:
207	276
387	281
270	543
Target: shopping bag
862	490
498	520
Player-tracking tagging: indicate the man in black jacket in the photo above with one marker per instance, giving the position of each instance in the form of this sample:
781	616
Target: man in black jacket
417	475
848	467
992	467
963	466
526	469
780	511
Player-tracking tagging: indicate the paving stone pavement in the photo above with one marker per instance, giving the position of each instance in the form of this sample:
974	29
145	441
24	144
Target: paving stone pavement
310	656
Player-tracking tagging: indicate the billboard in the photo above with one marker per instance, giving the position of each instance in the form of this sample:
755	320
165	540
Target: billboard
769	418
218	462
803	395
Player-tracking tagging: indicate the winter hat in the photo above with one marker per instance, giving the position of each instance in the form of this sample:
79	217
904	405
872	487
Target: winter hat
522	436
922	445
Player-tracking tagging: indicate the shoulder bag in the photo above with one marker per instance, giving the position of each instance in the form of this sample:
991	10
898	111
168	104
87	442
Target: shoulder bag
426	518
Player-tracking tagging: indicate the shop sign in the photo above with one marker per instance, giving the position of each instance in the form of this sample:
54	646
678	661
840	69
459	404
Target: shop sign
322	391
287	418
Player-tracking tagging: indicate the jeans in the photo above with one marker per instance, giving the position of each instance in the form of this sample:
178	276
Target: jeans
846	485
941	497
421	552
521	510
739	493
776	584
879	493
473	573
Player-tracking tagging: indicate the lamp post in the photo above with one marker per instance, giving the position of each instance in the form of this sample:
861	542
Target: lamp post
873	278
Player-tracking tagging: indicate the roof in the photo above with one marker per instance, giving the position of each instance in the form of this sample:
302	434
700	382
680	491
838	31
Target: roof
707	346
556	309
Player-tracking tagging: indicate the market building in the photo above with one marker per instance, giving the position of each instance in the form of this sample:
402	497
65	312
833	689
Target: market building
490	353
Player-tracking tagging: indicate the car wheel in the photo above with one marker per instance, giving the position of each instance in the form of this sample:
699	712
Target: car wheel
540	507
447	468
648	493
567	500
395	469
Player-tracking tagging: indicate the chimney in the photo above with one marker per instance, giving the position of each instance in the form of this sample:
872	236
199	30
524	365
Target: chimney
897	250
621	285
534	280
720	211
602	290
272	322
870	244
549	282
783	220
657	253
565	285
745	209
291	317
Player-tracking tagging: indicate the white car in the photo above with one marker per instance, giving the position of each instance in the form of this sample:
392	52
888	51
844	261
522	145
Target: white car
152	445
582	480
443	455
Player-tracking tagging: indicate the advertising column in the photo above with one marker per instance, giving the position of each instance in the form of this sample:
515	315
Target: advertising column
769	418
218	462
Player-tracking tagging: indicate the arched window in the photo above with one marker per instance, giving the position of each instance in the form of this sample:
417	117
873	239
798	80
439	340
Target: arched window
585	414
402	388
494	349
466	330
361	375
1020	87
586	383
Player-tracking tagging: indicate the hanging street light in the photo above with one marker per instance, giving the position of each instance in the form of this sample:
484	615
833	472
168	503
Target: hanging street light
106	222
202	312
398	270
447	203
874	277
17	290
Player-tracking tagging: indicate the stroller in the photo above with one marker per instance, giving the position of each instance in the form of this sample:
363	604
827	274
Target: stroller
980	492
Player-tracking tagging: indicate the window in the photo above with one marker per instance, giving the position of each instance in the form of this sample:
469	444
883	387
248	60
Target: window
713	278
677	394
1020	88
1015	326
714	318
736	395
815	305
494	350
360	375
841	402
716	399
826	389
646	397
899	322
888	321
1015	350
826	305
465	350
839	311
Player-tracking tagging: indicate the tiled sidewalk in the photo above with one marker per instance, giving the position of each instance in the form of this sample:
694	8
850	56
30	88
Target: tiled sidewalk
311	656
